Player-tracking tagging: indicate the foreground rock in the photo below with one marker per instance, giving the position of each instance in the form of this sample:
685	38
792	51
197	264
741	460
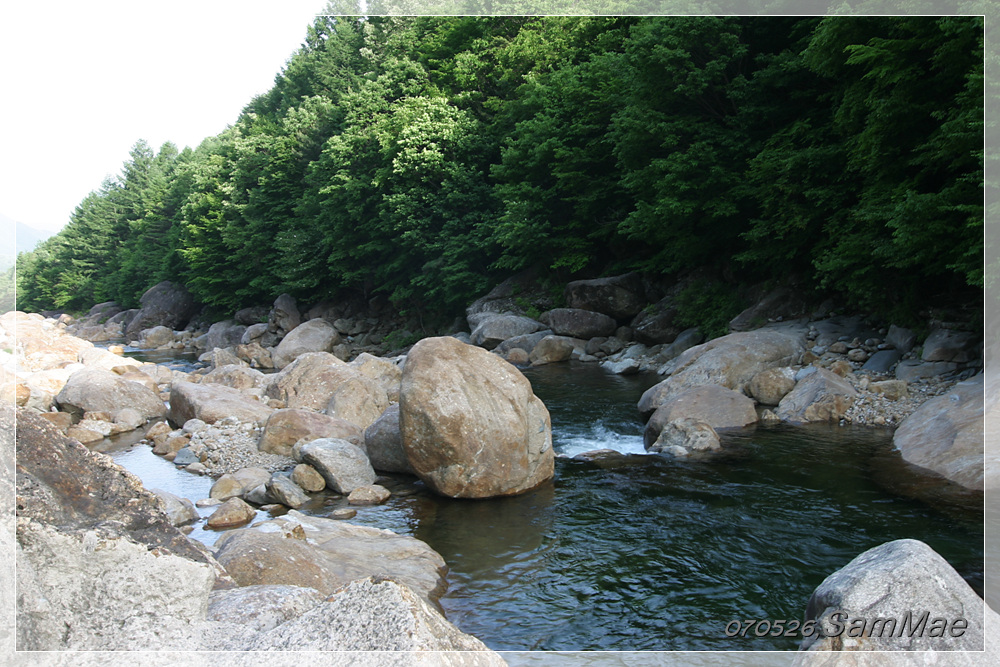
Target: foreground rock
898	581
326	554
819	397
945	435
89	537
378	614
470	424
730	361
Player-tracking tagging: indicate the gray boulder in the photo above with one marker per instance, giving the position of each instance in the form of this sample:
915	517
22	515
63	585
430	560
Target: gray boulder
901	339
213	402
166	303
384	443
325	554
495	329
179	511
311	336
684	437
948	345
252	315
655	325
882	361
228	333
155	337
945	434
284	315
819	397
577	323
285	491
96	390
874	603
552	349
717	406
343	465
730	361
619	297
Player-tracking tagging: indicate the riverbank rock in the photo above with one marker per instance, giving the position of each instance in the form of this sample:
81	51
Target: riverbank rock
577	323
495	329
284	315
945	434
89	537
166	304
948	345
730	361
311	336
378	614
236	376
326	554
386	372
712	404
819	396
358	400
772	385
288	426
155	337
231	514
213	402
384	443
619	297
94	390
179	511
471	426
309	381
893	581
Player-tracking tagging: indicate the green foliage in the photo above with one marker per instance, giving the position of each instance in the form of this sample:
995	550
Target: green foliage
710	307
426	158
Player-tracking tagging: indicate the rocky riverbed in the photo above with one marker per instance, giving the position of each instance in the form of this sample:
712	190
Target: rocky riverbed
333	416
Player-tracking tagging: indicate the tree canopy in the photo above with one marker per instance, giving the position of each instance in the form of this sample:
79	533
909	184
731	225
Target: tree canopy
424	158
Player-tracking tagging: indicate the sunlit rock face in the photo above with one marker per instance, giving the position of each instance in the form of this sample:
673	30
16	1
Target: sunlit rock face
471	426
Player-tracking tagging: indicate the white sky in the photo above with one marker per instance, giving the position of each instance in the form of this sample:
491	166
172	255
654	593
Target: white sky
83	81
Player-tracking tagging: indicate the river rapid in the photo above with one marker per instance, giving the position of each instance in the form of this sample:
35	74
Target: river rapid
642	552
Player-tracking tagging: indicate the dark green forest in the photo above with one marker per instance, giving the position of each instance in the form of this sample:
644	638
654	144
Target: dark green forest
427	158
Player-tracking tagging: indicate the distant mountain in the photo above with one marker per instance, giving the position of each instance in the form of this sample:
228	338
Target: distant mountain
17	237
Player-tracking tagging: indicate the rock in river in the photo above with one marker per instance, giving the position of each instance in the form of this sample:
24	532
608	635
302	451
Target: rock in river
471	426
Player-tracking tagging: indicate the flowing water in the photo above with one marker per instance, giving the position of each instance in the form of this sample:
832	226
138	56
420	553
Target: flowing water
641	552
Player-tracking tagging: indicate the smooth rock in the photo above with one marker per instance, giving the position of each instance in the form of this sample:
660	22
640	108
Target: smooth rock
285	491
93	390
717	406
179	510
948	345
619	297
552	349
384	443
311	336
284	428
771	385
882	361
471	426
821	396
494	330
893	581
945	434
213	402
368	495
231	514
682	437
343	465
577	323
308	478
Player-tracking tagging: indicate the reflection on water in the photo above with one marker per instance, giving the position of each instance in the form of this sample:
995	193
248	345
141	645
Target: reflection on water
649	553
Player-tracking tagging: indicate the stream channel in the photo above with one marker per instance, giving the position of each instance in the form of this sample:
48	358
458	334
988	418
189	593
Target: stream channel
647	553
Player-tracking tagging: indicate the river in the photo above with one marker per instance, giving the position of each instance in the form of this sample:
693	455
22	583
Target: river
642	552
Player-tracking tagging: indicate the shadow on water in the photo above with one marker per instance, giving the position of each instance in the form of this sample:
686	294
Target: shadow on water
648	553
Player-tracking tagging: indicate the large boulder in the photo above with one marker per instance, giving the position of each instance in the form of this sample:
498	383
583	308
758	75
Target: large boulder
236	376
553	349
309	381
780	303
619	297
949	345
771	385
471	426
372	617
95	390
899	596
712	404
731	361
384	443
262	607
385	372
821	396
656	325
495	329
213	402
945	434
684	437
311	336
325	554
224	334
577	323
166	304
157	336
286	427
526	342
359	400
98	562
284	315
